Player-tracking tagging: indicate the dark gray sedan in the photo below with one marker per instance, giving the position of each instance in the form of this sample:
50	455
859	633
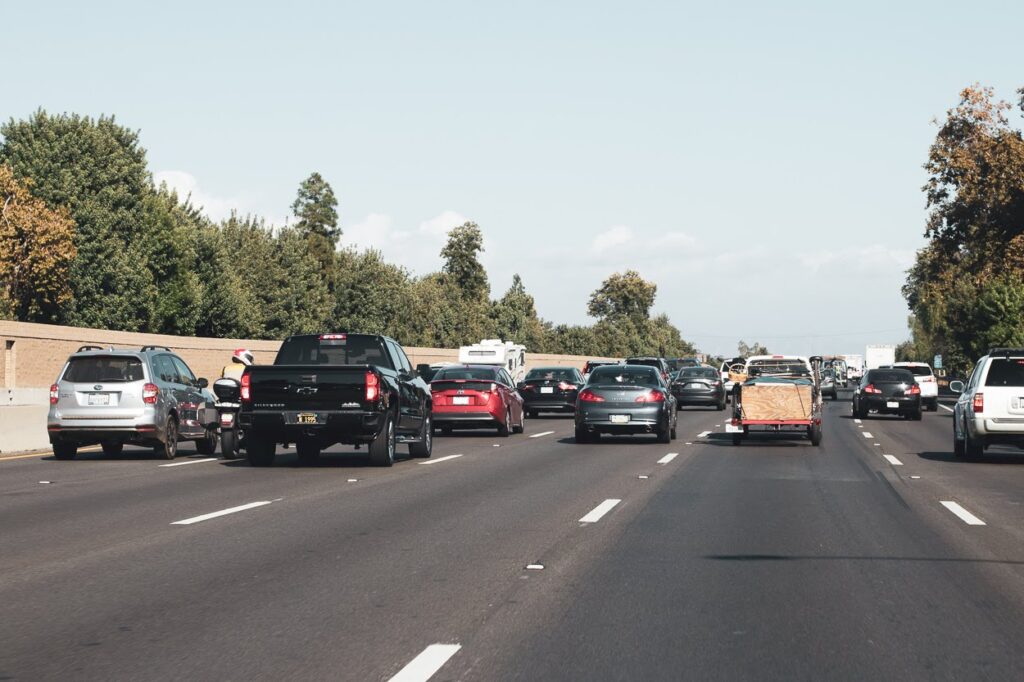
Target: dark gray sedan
699	386
625	400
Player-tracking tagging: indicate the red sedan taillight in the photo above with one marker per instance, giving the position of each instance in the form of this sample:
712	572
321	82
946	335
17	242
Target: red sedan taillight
651	396
979	402
54	394
150	393
246	388
589	396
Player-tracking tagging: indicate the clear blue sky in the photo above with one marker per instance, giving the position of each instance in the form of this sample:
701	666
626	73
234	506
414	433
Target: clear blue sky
761	162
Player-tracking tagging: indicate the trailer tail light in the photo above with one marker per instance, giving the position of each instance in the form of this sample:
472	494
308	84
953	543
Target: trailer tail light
54	394
372	386
246	388
914	390
979	402
870	388
589	396
149	393
651	396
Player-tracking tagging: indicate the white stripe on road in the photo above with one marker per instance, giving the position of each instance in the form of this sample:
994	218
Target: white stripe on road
703	434
965	516
440	459
599	511
893	461
223	512
866	434
668	458
948	409
856	421
542	433
191	461
430	660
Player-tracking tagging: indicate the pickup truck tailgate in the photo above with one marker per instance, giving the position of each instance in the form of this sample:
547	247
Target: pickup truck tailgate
312	387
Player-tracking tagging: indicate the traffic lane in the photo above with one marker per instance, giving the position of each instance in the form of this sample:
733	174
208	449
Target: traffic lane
92	505
349	585
780	561
990	488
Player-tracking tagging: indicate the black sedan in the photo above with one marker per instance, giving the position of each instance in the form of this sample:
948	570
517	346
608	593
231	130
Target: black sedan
625	400
699	386
550	389
887	391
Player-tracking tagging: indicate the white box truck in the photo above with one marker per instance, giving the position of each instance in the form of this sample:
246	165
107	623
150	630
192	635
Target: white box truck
878	355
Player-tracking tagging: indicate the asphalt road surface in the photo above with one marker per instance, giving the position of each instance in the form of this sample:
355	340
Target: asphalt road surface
875	556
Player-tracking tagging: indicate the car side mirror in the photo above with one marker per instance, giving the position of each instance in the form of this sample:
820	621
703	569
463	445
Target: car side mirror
956	386
202	383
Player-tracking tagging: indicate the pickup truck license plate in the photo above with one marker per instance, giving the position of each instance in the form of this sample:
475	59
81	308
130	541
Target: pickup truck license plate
98	399
892	403
618	418
460	400
547	389
305	418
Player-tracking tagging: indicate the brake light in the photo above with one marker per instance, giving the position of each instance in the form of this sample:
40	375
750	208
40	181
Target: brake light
870	388
564	386
651	396
149	393
589	396
246	388
914	390
979	402
372	386
54	394
333	337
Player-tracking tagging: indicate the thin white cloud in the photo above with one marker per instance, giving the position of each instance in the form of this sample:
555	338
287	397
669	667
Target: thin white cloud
614	236
215	207
417	249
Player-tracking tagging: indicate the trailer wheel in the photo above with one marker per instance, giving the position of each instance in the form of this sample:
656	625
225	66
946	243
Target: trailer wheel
814	433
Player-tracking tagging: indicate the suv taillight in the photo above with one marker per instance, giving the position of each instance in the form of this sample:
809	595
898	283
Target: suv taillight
245	388
979	402
651	396
54	394
589	396
372	386
149	393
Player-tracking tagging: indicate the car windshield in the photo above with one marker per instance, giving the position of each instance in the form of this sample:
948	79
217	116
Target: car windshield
698	373
465	373
551	374
623	376
1006	372
891	376
107	369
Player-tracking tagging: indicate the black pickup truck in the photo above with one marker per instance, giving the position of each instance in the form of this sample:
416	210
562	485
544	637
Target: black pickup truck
336	388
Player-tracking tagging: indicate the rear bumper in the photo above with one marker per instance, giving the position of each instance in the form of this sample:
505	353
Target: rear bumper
881	405
641	420
1002	430
140	434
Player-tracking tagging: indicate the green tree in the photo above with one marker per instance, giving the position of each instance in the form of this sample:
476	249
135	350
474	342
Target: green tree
372	295
515	317
316	209
462	267
745	350
623	296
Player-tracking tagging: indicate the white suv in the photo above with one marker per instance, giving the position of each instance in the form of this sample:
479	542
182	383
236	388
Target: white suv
990	409
925	377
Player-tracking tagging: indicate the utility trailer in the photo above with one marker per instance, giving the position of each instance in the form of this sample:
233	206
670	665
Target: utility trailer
780	394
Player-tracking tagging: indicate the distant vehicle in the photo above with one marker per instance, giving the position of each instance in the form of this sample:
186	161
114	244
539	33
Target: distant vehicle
589	365
474	397
699	386
990	408
887	391
651	361
925	377
838	365
625	400
854	367
142	397
357	389
878	355
505	354
830	383
550	389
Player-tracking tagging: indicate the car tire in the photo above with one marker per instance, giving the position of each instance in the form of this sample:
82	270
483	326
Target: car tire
665	435
503	428
959	446
916	415
308	452
168	447
721	406
259	453
65	451
112	448
425	447
382	449
522	424
207	445
672	434
973	448
582	436
229	444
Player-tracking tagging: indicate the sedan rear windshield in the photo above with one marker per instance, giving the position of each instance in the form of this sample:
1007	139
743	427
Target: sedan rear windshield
891	376
1005	372
619	376
106	369
551	375
465	373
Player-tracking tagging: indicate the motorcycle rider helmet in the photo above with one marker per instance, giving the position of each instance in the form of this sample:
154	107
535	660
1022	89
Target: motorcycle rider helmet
243	356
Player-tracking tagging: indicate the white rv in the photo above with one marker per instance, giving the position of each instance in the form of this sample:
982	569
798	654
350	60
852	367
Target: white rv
497	352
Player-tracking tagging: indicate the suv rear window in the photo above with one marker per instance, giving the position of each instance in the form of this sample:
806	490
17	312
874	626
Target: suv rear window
104	368
918	371
1005	372
890	376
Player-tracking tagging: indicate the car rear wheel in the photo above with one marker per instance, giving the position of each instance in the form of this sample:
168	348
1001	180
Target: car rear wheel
522	424
168	448
972	446
426	445
959	446
665	435
65	450
112	448
503	428
382	449
260	453
207	445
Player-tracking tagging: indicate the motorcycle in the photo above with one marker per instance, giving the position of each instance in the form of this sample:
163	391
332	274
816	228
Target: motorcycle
228	392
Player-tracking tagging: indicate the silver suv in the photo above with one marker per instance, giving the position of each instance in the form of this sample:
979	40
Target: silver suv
143	397
990	409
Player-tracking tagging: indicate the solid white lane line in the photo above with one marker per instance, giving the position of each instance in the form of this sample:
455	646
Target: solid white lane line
668	458
429	661
703	434
190	461
866	434
222	512
600	510
892	460
947	409
965	516
542	433
440	459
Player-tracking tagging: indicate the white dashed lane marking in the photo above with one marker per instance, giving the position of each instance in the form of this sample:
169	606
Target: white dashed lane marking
892	460
965	516
542	433
947	409
703	434
428	662
856	421
191	461
440	459
866	434
668	458
222	512
600	510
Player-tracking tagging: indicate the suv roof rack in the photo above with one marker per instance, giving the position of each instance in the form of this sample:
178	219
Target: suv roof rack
146	348
83	349
1006	352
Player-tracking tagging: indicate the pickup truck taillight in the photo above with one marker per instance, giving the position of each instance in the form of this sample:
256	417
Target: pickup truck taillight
372	386
149	393
979	402
245	392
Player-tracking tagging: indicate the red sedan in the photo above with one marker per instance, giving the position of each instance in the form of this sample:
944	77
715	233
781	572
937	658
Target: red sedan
474	397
